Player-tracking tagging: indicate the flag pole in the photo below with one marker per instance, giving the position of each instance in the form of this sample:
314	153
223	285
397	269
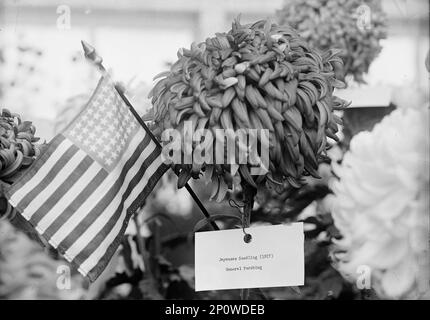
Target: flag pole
91	55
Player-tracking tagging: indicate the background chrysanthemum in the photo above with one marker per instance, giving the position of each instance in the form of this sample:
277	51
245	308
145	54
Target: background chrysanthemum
355	26
18	147
381	206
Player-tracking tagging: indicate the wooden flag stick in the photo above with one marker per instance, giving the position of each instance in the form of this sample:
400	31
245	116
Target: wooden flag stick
93	57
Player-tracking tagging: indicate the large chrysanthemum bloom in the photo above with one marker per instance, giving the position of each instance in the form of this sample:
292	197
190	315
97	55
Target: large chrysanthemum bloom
382	205
256	77
354	26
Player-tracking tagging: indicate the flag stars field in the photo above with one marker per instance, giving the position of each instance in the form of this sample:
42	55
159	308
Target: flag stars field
117	126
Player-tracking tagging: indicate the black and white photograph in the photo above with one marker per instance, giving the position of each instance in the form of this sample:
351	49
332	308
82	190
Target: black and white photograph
228	152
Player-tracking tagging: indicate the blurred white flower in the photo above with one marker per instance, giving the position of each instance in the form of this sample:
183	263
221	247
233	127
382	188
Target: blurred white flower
409	96
28	272
137	92
335	153
69	110
382	205
309	211
142	216
167	198
327	203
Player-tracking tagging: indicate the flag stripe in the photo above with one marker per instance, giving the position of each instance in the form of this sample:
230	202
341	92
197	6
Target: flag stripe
80	239
139	154
93	199
72	157
140	199
61	190
76	202
101	255
35	197
138	182
98	264
22	197
33	169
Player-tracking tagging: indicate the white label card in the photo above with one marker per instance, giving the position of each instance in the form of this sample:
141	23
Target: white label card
273	258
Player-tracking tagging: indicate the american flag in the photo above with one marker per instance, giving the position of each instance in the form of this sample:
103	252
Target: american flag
81	192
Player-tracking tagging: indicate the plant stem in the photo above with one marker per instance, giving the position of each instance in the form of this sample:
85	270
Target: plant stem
249	194
142	248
